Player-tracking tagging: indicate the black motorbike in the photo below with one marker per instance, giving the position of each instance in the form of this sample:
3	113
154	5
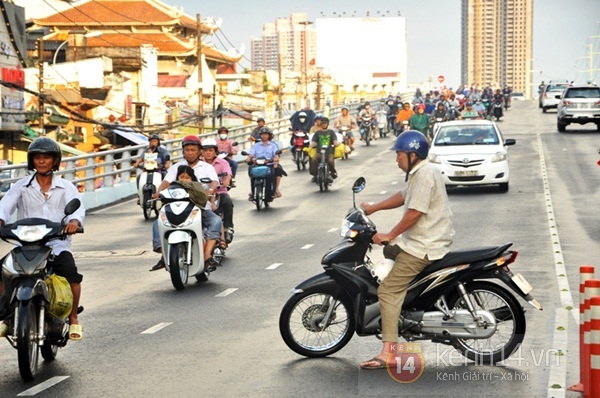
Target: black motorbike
323	178
366	127
33	328
497	111
260	172
453	301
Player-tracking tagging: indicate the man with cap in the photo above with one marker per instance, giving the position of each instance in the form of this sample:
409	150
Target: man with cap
424	234
255	135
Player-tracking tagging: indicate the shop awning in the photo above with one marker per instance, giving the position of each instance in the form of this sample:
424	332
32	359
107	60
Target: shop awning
129	135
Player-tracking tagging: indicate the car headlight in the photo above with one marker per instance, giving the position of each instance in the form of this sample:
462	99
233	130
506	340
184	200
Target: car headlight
499	157
433	158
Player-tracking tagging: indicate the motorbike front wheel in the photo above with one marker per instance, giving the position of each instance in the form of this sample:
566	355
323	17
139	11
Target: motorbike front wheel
258	199
147	205
178	267
27	343
301	328
298	159
510	327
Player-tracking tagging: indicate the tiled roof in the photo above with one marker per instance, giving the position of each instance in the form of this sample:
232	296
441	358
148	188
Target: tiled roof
172	80
119	13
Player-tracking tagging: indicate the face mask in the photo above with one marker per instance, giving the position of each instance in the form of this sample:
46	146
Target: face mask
223	136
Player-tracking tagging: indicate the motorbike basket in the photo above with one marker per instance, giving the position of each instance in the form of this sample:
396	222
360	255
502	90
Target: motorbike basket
260	171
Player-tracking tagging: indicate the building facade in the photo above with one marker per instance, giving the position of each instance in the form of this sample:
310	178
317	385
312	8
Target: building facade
289	42
497	43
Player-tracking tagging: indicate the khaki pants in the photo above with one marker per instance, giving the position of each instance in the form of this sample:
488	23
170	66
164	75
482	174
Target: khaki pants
392	292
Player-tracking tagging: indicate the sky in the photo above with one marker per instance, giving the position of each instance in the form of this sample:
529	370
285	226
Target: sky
562	30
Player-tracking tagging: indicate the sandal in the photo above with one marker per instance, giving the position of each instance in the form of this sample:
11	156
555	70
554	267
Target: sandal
75	332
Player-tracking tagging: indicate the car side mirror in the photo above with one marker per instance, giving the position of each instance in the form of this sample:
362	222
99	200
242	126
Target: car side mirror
509	141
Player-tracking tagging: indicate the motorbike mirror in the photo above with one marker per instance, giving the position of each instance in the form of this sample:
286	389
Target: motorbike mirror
205	180
279	152
235	143
244	153
72	206
359	185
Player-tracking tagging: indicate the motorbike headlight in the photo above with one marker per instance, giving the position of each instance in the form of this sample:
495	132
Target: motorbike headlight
433	158
31	233
346	230
499	157
163	219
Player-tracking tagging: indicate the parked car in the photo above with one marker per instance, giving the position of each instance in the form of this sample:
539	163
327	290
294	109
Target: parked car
471	152
517	96
551	95
579	104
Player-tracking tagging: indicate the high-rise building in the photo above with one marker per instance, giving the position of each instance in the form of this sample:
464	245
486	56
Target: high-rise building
291	41
497	43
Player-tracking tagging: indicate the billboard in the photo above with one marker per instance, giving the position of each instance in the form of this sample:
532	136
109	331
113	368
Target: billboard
365	52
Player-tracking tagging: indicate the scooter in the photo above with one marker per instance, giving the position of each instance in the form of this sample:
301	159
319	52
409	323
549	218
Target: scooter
181	232
34	326
366	124
260	171
401	127
382	123
323	178
497	111
346	141
453	301
300	141
148	184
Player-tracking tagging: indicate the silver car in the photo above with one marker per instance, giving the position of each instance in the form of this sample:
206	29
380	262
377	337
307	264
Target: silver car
579	104
549	98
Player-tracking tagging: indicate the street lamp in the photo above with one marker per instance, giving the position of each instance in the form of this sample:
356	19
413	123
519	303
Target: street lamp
305	67
94	33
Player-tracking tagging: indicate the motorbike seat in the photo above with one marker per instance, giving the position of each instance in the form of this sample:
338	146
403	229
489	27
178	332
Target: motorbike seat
464	256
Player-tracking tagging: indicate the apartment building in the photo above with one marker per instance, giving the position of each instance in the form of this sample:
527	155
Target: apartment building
497	43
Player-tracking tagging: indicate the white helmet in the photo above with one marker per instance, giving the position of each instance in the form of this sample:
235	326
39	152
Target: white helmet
209	143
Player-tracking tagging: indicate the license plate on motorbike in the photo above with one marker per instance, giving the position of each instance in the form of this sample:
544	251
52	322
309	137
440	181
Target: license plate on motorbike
522	283
466	173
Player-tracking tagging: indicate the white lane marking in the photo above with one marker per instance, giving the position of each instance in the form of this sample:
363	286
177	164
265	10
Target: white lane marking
273	266
558	374
227	292
42	386
307	246
394	182
332	230
382	192
156	328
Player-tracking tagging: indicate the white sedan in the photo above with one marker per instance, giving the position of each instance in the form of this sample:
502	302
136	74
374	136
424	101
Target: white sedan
471	152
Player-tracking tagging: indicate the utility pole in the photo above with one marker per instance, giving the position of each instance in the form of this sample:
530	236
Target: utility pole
200	90
279	88
590	57
318	93
41	84
214	97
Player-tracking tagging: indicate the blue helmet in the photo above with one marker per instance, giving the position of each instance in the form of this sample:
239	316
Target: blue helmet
412	141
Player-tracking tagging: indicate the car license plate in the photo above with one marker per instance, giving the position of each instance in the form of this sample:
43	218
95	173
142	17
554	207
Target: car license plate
522	283
466	173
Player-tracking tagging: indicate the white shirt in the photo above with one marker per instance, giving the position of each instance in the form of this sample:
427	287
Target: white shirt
201	170
30	202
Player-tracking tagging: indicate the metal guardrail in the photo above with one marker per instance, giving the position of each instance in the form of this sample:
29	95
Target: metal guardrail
108	168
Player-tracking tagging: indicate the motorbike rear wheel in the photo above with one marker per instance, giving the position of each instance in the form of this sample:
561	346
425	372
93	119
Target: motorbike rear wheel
147	205
49	351
300	323
178	268
27	343
298	159
510	327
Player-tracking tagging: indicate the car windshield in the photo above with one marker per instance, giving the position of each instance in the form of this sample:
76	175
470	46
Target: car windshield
472	135
557	87
583	92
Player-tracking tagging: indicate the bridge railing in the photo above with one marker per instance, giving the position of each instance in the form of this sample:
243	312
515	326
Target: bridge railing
108	176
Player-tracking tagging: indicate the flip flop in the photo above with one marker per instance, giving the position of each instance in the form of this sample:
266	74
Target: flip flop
381	364
75	332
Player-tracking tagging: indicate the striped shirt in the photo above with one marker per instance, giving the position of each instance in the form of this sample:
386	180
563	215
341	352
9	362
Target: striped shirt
432	234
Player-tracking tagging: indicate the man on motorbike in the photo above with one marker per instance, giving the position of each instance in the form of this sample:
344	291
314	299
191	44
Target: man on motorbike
440	112
420	120
192	147
164	159
404	114
324	138
346	120
369	114
255	135
209	154
392	111
424	233
44	195
268	149
469	112
317	125
225	145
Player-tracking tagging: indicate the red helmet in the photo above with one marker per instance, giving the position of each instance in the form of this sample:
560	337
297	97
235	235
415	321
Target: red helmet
421	106
191	140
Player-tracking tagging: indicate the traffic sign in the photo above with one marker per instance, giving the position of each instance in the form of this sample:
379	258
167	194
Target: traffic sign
441	78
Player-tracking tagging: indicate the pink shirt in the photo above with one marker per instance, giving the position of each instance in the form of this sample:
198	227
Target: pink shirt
225	146
221	166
